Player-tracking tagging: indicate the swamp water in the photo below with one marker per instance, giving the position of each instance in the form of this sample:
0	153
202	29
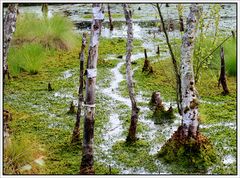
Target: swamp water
113	131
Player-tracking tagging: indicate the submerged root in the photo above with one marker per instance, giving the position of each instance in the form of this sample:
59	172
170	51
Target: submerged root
188	152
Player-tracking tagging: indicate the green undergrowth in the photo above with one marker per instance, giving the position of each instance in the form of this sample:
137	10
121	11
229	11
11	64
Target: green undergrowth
162	116
195	156
55	32
117	47
22	151
135	155
214	108
35	38
229	47
43	114
28	57
225	147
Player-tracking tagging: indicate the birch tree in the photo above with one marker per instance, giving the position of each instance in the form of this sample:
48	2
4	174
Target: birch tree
187	145
189	93
76	132
9	28
134	116
87	164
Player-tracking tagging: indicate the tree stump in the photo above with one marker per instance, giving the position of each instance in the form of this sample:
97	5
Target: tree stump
171	25
7	117
72	109
158	50
222	79
160	115
147	67
156	101
181	24
50	87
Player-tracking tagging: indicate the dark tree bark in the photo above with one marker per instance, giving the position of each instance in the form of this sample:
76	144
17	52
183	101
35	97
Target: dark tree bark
76	130
176	70
222	79
181	24
146	62
110	18
45	9
134	117
87	164
233	33
50	87
9	28
158	50
146	65
7	117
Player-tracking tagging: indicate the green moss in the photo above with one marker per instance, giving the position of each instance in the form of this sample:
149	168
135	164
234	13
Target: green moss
210	112
134	155
38	112
192	155
116	46
162	116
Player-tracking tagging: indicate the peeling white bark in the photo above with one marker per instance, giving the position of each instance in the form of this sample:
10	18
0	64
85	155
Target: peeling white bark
9	28
189	93
87	164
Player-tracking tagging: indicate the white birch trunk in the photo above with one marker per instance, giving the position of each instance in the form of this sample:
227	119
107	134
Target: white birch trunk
87	164
9	28
189	93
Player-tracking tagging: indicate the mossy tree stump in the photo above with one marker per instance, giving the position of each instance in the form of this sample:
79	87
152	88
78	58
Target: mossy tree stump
195	154
147	67
160	114
72	109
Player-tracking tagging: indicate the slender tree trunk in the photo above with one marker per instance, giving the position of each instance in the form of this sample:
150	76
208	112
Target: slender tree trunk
76	130
158	50
176	71
134	117
87	164
8	30
110	18
189	93
222	79
146	65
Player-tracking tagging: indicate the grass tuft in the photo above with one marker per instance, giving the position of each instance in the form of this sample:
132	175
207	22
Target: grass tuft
55	32
27	58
